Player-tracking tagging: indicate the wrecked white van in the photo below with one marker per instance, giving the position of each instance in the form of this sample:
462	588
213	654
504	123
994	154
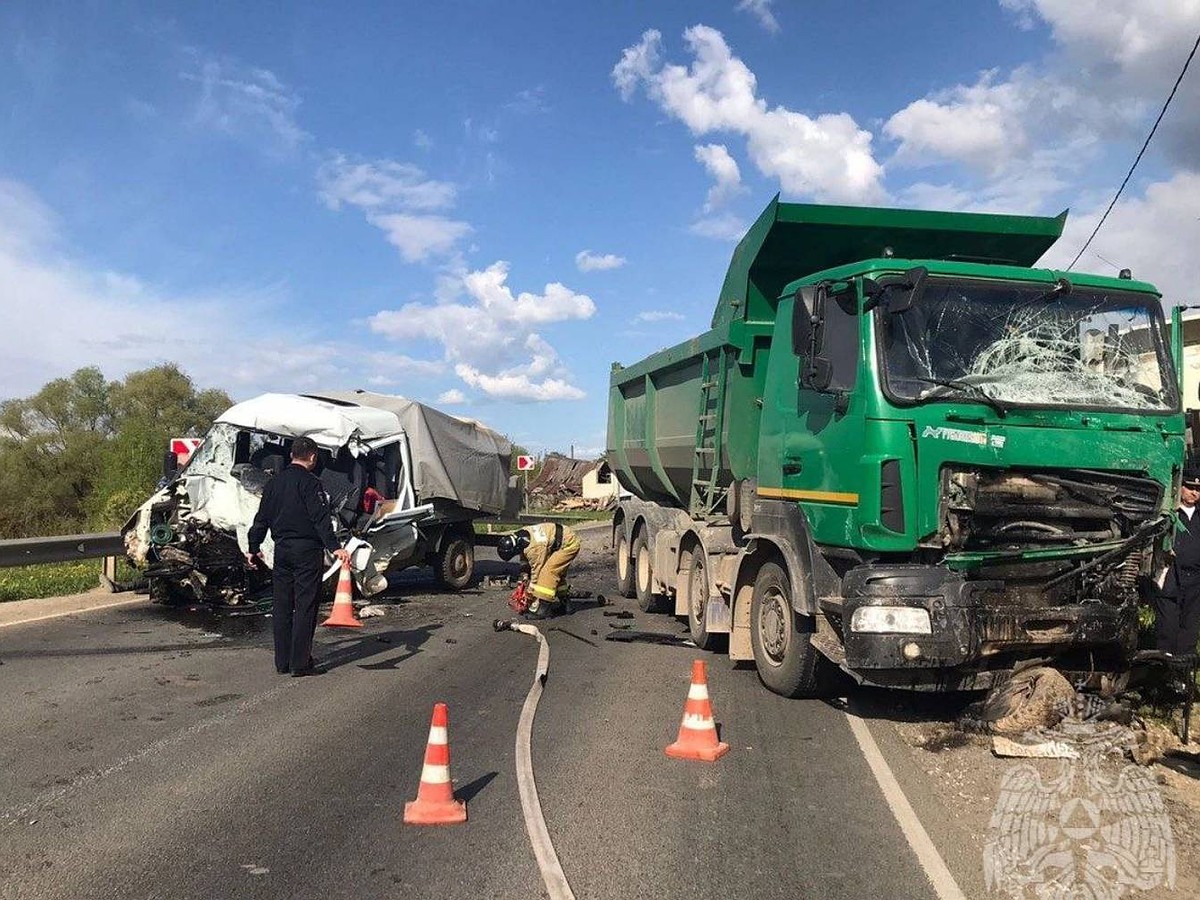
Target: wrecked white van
405	483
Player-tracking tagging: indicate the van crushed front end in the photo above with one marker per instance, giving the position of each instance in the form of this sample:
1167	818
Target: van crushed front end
189	538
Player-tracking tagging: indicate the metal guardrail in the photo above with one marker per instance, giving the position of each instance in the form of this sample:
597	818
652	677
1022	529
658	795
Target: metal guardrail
61	548
70	547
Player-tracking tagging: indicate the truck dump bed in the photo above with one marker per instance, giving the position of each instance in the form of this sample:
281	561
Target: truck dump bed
689	413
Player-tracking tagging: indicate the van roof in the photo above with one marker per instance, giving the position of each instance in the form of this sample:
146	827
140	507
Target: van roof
331	424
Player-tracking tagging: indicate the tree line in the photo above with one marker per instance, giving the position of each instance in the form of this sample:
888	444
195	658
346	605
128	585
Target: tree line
83	452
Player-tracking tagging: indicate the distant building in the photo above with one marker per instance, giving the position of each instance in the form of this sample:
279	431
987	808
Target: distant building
599	483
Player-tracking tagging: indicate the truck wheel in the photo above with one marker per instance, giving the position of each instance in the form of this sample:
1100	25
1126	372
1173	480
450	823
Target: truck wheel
643	574
787	662
456	562
697	590
625	585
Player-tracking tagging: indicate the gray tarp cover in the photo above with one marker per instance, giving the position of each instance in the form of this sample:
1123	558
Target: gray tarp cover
453	459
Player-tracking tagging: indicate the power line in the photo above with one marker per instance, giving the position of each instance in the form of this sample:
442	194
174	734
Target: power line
1149	137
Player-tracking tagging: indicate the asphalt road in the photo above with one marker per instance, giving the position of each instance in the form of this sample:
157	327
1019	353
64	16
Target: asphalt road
154	753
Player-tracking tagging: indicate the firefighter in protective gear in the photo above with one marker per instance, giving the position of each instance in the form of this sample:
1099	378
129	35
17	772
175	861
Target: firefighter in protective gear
548	549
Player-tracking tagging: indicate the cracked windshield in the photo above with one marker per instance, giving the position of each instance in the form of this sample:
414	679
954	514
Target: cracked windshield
1028	344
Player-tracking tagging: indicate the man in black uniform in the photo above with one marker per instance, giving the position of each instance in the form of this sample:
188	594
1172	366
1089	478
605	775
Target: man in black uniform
1177	607
295	510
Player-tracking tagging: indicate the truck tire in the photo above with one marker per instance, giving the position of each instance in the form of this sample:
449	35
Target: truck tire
697	592
455	563
625	585
787	662
643	574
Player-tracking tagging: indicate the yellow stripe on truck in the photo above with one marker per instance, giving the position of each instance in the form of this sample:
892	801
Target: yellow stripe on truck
810	496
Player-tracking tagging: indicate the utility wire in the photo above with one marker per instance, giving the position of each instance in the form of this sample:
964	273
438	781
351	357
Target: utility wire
1149	137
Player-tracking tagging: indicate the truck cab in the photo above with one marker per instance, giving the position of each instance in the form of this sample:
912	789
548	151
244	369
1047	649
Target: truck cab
931	460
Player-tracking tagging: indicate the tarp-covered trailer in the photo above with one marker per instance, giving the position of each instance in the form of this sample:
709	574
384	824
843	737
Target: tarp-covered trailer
405	483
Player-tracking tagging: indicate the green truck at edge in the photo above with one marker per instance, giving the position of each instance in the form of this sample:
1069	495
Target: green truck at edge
904	452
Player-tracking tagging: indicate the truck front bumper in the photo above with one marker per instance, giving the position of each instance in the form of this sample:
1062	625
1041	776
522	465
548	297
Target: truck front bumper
975	628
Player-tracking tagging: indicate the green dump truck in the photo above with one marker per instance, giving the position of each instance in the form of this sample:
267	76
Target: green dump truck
903	452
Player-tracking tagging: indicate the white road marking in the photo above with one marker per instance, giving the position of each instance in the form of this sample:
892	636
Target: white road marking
74	612
535	823
918	838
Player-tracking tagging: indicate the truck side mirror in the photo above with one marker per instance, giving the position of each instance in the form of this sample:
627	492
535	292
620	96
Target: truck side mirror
808	324
170	465
802	320
818	374
902	303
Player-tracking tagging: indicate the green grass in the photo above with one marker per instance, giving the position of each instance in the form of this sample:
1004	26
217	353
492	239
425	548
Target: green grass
50	580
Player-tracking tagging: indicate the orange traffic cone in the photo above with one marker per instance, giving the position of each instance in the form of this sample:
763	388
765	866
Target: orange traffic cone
435	803
343	603
698	733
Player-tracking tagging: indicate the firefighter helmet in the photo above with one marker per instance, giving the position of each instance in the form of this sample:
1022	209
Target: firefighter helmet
512	544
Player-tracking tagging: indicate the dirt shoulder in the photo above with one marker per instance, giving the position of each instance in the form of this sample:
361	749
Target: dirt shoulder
967	782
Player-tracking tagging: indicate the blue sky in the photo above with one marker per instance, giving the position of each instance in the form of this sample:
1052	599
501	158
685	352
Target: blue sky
483	205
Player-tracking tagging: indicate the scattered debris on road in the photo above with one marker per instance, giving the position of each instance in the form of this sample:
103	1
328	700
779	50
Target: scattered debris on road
649	637
572	634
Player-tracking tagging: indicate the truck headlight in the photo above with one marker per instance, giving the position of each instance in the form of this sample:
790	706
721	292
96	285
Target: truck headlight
891	620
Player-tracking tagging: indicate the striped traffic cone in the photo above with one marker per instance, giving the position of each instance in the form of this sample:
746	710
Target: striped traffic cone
698	733
342	615
435	803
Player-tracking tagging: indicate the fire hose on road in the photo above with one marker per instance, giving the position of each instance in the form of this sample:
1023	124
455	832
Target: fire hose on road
535	823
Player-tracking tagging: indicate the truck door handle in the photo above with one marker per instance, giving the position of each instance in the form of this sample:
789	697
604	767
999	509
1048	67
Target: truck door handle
793	467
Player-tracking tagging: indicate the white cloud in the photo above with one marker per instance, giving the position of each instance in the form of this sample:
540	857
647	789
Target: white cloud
381	184
488	333
451	397
419	237
658	315
1126	54
421	140
587	261
61	314
513	385
722	227
1048	122
399	199
828	157
727	177
245	102
398	368
981	124
1154	234
761	10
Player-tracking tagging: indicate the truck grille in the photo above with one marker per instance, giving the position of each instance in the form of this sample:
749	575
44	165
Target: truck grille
1014	509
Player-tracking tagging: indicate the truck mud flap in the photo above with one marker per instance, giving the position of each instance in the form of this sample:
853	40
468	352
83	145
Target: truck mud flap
718	618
